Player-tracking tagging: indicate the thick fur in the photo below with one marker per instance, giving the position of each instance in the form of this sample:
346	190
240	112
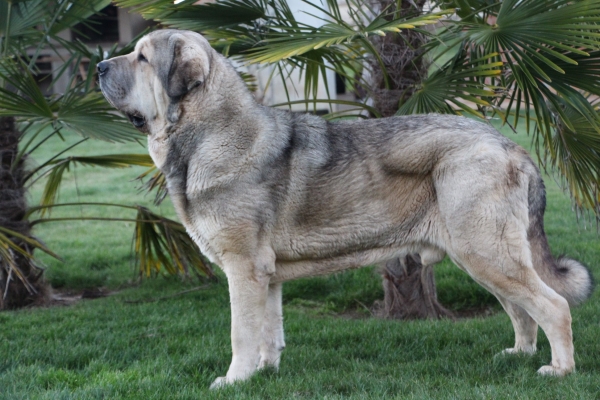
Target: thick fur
568	277
271	196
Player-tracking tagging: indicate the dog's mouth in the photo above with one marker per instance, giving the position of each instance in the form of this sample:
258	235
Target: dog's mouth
111	94
137	120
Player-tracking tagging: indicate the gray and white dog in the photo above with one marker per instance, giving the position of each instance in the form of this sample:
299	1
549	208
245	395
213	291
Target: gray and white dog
271	196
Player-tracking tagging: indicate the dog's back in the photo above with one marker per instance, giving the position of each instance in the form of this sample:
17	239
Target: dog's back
355	185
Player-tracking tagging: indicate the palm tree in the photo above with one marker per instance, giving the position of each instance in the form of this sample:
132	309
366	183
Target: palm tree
12	210
28	118
409	286
531	62
402	57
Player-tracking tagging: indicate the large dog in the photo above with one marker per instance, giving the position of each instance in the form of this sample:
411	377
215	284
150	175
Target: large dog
271	196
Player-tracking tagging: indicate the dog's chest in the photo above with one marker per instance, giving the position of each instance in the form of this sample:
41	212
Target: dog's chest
158	150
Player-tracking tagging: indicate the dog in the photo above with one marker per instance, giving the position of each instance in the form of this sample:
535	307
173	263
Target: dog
270	196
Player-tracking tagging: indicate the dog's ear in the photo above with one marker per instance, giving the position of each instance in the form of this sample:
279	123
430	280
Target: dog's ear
190	65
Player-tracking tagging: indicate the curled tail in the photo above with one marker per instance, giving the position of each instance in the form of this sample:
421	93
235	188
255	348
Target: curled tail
569	278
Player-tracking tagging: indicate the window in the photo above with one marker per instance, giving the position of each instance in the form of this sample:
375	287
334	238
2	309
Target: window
102	27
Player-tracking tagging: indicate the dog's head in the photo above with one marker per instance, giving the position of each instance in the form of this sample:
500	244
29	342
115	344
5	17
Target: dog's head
148	84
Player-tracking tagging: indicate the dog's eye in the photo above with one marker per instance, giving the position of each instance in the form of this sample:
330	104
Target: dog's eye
142	58
137	121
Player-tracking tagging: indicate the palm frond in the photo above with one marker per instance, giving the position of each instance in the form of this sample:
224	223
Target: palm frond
161	242
157	181
14	256
470	10
19	22
219	15
543	40
86	114
297	40
360	106
74	12
90	115
550	50
267	31
28	102
57	168
7	243
455	88
36	23
313	66
152	9
575	153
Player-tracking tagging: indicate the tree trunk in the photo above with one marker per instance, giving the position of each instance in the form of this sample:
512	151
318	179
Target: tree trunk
409	286
402	56
410	293
20	279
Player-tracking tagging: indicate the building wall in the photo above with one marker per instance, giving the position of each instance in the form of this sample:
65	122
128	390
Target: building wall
127	24
270	91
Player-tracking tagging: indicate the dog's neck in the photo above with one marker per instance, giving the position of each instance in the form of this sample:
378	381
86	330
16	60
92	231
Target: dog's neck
219	137
230	109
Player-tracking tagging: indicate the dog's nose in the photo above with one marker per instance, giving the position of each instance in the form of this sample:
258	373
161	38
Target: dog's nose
102	67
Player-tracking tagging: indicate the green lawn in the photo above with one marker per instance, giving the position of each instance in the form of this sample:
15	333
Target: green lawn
113	348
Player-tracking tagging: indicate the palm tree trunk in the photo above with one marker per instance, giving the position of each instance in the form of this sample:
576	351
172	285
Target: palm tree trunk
25	286
402	56
409	286
410	293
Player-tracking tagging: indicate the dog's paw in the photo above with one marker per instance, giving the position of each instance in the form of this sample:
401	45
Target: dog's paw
550	370
219	383
509	351
518	351
269	361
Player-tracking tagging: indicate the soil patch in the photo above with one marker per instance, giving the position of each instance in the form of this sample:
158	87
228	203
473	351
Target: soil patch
68	297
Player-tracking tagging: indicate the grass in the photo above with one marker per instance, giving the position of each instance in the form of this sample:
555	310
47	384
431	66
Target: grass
95	253
173	349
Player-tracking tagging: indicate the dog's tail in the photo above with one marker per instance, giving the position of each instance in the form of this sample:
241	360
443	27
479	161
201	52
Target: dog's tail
569	278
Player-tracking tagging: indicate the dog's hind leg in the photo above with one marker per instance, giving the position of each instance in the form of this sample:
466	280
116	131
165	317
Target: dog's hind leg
525	328
272	343
248	290
484	208
521	285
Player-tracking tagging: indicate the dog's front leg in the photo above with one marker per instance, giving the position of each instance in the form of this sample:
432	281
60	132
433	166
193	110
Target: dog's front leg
248	289
272	341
